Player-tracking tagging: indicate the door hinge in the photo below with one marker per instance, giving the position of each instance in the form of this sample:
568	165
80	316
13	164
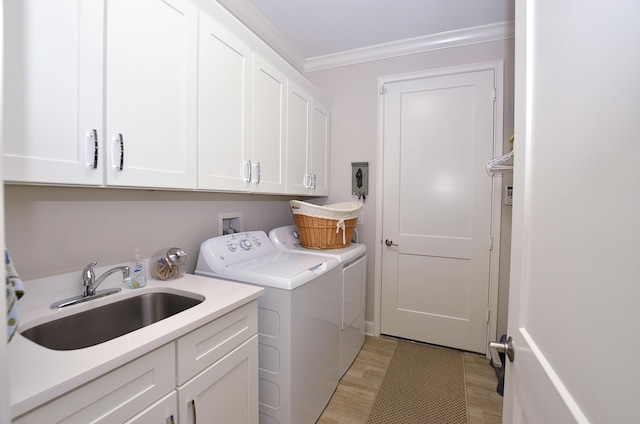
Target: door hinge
494	94
488	313
490	243
383	89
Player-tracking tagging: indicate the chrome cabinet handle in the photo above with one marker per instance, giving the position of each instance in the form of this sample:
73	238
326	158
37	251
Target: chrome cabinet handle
193	406
313	181
92	148
306	180
258	173
247	178
119	140
389	243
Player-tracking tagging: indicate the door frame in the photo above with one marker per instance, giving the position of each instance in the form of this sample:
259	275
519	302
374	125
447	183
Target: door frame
497	67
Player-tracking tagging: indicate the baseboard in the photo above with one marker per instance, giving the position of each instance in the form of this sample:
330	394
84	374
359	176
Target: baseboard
368	328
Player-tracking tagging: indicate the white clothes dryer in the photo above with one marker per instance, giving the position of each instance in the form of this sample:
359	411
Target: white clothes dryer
297	321
353	281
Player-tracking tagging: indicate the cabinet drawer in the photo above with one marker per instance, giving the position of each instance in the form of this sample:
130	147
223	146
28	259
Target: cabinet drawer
114	397
206	345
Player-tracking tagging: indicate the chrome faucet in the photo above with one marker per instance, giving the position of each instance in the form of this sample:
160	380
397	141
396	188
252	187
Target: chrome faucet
89	282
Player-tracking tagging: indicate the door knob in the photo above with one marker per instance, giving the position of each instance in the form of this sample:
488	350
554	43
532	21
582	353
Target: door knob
499	347
389	243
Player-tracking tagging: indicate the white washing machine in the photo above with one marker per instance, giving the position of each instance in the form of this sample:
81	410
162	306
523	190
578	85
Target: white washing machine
298	319
353	267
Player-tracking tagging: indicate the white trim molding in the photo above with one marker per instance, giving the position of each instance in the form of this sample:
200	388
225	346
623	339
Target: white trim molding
443	40
252	19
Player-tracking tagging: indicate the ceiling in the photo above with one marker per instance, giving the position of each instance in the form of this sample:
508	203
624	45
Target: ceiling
317	28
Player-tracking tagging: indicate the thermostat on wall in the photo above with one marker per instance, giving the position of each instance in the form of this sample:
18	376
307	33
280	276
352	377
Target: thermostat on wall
508	195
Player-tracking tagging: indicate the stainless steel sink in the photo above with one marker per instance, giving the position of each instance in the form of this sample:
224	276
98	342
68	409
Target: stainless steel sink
107	322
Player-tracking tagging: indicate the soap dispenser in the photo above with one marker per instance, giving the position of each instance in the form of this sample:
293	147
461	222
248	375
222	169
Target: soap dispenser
138	276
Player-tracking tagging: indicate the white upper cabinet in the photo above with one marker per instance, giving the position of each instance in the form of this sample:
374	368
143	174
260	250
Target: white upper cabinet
151	93
53	102
299	108
172	94
224	124
307	143
267	161
319	163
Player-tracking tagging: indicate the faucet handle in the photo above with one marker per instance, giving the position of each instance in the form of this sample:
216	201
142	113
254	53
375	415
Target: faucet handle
89	268
88	277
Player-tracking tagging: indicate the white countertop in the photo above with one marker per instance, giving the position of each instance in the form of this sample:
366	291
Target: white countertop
38	374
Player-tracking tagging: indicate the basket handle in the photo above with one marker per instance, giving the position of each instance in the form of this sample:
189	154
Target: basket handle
340	226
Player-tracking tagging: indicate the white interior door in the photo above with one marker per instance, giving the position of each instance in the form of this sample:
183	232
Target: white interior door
438	135
575	273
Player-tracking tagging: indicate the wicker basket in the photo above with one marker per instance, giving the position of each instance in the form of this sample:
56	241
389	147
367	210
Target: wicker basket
325	227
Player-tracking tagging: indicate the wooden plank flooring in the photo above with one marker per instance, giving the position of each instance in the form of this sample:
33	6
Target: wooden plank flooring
354	396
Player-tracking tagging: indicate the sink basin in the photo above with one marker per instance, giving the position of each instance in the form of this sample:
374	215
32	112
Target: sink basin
107	322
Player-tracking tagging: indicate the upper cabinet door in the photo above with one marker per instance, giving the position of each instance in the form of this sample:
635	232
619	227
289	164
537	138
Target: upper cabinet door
53	92
268	131
299	108
307	144
224	124
151	80
319	162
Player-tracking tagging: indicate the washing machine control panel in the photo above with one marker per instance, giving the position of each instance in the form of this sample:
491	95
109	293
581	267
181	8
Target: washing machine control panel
240	246
243	242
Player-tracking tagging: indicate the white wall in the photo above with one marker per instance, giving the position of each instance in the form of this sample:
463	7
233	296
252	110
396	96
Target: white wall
55	230
354	133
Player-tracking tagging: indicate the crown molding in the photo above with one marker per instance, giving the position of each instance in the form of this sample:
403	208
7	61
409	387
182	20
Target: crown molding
443	40
252	19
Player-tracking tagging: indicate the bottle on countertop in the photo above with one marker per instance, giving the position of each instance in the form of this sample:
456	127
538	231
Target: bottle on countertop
138	275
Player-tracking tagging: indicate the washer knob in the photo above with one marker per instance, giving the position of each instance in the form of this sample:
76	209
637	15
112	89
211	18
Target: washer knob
245	244
232	247
257	242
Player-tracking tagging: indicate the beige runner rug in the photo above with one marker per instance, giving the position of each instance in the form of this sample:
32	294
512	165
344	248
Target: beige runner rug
422	385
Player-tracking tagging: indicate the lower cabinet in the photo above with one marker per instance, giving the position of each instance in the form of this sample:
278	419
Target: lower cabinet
214	367
115	397
226	392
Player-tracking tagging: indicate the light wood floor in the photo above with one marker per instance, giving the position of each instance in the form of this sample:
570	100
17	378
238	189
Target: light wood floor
354	396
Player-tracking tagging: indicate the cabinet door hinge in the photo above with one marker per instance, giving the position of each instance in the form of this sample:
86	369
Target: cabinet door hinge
383	89
494	94
488	313
490	243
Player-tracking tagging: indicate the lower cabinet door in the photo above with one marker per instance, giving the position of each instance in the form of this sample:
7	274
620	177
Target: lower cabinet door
114	397
226	392
164	411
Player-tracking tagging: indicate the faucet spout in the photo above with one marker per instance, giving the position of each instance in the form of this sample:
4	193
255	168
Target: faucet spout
90	283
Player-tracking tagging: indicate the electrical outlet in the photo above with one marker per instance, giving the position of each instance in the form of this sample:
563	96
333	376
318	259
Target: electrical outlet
508	195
